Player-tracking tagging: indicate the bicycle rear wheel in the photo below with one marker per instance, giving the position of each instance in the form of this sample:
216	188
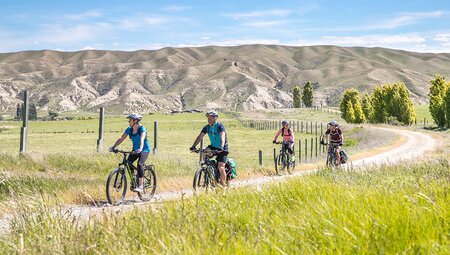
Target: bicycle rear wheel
116	186
149	183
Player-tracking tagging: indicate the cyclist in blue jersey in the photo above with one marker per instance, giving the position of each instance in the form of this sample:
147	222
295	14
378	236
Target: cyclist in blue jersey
218	138
141	146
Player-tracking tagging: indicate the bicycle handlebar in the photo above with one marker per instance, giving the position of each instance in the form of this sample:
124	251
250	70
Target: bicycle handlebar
215	152
122	151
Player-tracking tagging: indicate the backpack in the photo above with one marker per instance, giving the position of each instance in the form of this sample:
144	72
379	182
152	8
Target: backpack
289	131
344	156
230	168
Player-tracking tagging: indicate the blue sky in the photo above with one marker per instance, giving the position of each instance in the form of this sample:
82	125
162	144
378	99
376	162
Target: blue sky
415	25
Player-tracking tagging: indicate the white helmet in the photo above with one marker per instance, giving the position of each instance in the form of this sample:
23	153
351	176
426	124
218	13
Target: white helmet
212	113
134	116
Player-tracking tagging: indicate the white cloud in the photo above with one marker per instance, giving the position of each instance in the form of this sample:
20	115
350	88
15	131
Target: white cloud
83	16
132	23
176	8
265	23
205	38
373	40
442	37
59	34
259	14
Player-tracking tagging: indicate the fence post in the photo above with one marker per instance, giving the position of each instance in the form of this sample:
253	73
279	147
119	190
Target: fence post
311	127
306	129
155	137
316	146
306	150
100	129
301	127
260	157
299	150
23	130
312	143
200	152
316	127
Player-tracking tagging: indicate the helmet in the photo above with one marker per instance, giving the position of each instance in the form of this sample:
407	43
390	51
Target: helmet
334	123
212	113
284	122
134	116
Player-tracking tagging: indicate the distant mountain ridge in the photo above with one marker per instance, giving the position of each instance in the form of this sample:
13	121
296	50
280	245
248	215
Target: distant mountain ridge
233	78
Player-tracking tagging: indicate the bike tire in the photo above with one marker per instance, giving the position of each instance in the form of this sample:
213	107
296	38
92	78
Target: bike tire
281	163
116	186
149	184
200	182
290	164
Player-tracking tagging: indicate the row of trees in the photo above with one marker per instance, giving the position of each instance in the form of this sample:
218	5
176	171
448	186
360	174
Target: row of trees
306	97
390	102
32	113
440	101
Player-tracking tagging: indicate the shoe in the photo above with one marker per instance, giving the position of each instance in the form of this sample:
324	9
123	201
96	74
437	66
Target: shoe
139	189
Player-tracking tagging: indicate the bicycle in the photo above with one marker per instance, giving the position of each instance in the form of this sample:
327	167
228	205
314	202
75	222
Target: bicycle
331	155
284	160
116	185
207	177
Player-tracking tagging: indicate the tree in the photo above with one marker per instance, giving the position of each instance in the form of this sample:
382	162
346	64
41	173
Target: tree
19	112
367	107
307	96
447	105
377	99
359	114
350	113
352	95
437	105
297	97
33	112
405	109
53	115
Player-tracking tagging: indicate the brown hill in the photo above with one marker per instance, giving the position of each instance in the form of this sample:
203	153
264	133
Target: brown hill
241	77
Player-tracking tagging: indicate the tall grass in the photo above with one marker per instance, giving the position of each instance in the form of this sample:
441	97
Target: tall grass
387	210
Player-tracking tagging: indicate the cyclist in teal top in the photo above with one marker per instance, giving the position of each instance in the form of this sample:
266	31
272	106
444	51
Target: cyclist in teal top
218	138
141	146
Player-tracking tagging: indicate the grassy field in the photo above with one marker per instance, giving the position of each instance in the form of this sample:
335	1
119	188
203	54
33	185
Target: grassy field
401	209
62	159
422	112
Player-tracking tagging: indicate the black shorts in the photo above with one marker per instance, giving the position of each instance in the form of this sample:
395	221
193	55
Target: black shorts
221	157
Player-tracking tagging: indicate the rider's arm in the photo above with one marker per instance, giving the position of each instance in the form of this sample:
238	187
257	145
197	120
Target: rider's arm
199	138
141	144
342	136
120	140
278	134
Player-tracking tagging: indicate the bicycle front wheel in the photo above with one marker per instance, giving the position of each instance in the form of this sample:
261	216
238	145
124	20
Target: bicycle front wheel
291	163
149	183
280	164
116	186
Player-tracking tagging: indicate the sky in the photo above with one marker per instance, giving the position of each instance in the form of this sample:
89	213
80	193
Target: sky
68	25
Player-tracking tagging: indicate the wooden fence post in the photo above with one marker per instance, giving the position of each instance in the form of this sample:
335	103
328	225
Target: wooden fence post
155	137
299	150
23	129
260	158
100	129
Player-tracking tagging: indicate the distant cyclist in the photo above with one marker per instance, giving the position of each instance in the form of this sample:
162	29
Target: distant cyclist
141	146
336	137
288	137
218	138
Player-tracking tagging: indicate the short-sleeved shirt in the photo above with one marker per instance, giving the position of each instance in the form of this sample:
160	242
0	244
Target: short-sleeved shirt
213	132
335	136
136	138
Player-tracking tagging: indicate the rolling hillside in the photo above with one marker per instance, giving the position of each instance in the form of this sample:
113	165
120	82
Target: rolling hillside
241	77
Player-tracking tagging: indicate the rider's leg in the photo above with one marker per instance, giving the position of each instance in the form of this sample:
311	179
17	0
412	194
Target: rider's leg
142	158
222	159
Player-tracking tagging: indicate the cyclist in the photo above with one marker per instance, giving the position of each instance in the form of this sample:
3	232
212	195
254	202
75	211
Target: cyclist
336	137
218	139
288	137
141	146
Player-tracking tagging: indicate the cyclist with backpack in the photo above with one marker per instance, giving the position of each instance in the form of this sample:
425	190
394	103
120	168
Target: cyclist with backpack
288	137
141	147
336	137
218	138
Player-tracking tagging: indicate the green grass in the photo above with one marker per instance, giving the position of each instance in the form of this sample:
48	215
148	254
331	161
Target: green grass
67	153
422	112
388	210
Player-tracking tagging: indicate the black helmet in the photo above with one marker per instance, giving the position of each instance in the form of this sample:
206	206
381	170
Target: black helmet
284	122
333	123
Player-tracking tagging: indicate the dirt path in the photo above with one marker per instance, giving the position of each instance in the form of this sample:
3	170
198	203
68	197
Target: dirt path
415	145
